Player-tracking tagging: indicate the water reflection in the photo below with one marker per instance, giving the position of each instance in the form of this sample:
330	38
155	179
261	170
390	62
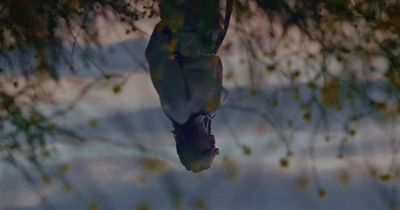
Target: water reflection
187	74
313	84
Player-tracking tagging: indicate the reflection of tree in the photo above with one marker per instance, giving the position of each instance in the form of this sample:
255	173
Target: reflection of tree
338	58
33	39
338	61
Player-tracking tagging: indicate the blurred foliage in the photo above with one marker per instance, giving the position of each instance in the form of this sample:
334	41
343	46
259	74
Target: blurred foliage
38	31
339	58
33	38
332	55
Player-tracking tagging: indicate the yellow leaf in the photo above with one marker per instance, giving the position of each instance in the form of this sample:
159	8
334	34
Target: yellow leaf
211	105
230	166
171	48
302	183
63	168
51	126
385	177
322	193
45	153
43	71
284	162
93	206
34	118
230	75
46	179
307	116
201	204
330	93
75	5
246	150
154	164
327	138
143	207
295	75
344	177
352	132
271	68
296	95
117	89
350	95
107	76
311	85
